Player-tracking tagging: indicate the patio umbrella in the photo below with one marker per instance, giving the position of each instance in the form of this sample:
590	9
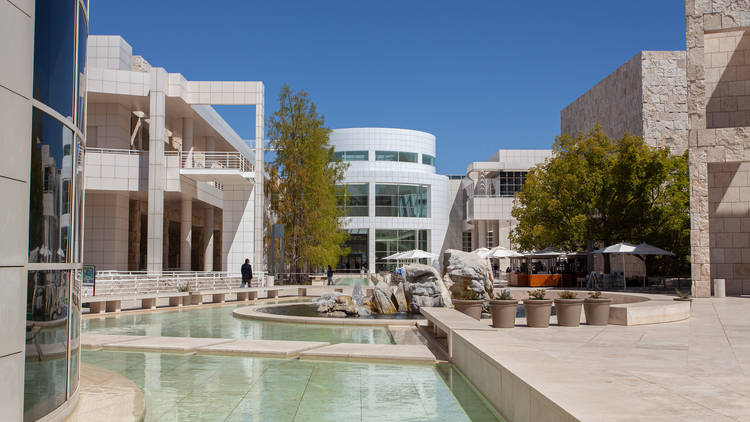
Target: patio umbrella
482	252
392	257
501	252
624	248
417	254
646	249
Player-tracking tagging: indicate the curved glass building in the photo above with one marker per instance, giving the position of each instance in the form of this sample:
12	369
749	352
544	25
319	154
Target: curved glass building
43	133
396	200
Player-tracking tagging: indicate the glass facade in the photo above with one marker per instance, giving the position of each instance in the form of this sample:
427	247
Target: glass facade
352	155
357	199
388	242
428	159
356	259
404	157
466	241
402	201
53	290
508	183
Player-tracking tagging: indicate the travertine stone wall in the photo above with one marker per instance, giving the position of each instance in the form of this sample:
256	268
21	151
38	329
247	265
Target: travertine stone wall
646	96
707	20
727	76
615	103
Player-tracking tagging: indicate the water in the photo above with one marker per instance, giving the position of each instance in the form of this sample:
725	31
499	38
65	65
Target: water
353	281
218	322
310	310
223	388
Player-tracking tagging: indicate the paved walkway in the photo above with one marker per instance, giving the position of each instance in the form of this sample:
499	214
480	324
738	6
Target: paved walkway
698	369
107	396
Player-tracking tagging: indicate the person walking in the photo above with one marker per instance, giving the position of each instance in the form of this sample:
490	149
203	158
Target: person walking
247	273
329	273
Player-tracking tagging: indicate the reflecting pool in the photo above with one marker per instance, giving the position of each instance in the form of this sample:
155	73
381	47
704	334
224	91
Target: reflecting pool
196	387
218	322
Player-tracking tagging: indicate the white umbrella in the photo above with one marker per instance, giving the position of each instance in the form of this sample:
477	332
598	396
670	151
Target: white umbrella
624	248
501	252
546	253
417	254
482	252
618	248
393	257
646	249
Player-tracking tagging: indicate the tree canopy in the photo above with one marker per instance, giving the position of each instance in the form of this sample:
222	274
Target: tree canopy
302	182
607	191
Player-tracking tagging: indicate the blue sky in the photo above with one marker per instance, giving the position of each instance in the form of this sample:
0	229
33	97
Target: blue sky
479	75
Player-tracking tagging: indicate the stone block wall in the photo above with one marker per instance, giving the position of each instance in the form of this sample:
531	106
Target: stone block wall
646	96
106	230
712	143
727	78
615	103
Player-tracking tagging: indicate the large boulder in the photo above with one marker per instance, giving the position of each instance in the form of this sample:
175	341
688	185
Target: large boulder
381	299
424	287
345	304
468	271
399	298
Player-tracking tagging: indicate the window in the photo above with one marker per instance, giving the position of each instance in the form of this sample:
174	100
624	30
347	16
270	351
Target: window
352	155
388	242
82	34
508	183
404	157
490	239
65	204
358	199
54	55
466	241
428	159
401	201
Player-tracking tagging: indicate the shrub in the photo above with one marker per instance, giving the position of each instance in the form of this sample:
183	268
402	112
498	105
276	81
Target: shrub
537	294
595	295
183	287
567	294
470	295
505	295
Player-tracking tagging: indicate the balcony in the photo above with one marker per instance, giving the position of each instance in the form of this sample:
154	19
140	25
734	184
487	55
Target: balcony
218	167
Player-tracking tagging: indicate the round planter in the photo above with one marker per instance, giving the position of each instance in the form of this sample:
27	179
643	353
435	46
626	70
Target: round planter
568	312
597	311
472	308
503	313
538	312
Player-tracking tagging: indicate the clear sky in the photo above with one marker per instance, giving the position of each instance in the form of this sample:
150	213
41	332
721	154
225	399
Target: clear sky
479	75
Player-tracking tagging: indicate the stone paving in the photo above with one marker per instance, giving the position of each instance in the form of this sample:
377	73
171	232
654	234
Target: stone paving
697	369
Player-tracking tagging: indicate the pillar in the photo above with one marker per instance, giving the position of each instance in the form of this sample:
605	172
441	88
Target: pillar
259	209
156	133
186	225
208	239
187	140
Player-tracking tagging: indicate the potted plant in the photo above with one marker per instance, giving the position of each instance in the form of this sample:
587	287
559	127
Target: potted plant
184	287
470	304
538	309
503	310
568	309
683	297
596	309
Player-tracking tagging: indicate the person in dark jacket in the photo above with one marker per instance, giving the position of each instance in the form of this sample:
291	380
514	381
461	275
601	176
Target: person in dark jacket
247	273
329	273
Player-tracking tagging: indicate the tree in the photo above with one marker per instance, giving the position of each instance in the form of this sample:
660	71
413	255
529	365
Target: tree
607	191
303	182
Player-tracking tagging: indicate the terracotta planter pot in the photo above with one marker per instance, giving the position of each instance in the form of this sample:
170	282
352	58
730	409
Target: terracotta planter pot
472	308
597	311
503	313
568	312
538	312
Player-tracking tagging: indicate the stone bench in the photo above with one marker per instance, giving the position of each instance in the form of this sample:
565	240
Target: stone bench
272	293
113	303
445	321
219	295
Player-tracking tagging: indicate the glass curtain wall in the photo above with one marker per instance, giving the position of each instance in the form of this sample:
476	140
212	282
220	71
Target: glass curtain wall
508	183
53	286
404	157
355	198
402	201
388	242
352	155
356	259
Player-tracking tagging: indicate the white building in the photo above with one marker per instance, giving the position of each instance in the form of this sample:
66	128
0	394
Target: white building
396	200
487	196
169	185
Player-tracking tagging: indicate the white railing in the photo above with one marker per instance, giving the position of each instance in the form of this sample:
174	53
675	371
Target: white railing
109	283
214	160
123	151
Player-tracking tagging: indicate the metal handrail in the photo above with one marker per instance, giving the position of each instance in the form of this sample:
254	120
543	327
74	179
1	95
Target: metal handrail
115	151
140	282
214	160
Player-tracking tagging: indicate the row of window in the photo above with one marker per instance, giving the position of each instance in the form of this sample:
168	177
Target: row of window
400	156
388	242
508	183
390	200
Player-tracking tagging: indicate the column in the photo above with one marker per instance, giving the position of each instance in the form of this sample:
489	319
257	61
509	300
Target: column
700	257
208	239
187	140
186	225
156	170
371	251
259	208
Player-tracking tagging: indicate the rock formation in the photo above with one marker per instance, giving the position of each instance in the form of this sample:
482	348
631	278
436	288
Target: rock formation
381	299
399	298
423	287
467	271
